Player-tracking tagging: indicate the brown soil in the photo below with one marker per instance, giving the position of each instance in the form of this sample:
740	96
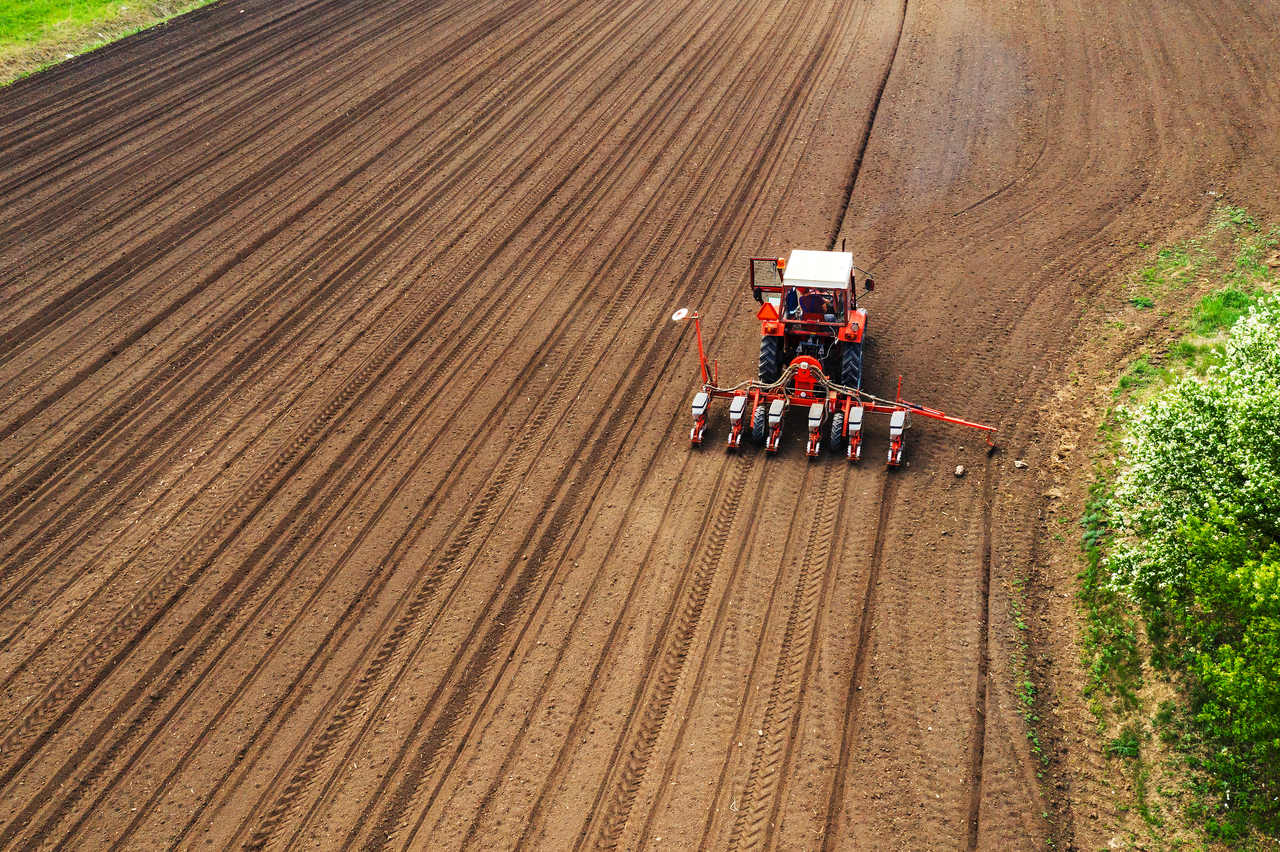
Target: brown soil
345	495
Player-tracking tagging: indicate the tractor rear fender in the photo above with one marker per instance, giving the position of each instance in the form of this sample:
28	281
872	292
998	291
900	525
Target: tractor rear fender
856	328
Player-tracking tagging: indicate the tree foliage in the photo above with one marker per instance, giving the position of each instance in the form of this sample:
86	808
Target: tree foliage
1195	516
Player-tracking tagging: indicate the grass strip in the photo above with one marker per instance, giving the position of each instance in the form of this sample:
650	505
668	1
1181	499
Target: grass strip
1181	584
36	34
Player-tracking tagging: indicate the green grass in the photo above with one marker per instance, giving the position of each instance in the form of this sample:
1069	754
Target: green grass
26	21
35	34
1128	744
1171	269
1218	311
1230	216
1142	372
1242	259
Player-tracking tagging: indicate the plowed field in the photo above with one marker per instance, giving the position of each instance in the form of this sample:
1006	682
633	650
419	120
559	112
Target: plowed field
345	491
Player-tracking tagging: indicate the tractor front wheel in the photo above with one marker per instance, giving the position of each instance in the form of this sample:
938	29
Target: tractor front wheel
770	359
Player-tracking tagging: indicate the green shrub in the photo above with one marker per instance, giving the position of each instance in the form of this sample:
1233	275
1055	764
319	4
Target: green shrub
1194	522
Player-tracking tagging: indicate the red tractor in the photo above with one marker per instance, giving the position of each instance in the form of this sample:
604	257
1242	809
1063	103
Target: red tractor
809	306
811	345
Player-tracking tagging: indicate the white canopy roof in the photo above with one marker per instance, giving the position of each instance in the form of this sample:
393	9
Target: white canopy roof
828	270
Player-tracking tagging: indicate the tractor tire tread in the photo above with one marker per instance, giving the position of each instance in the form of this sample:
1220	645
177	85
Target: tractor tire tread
770	362
851	365
835	441
760	425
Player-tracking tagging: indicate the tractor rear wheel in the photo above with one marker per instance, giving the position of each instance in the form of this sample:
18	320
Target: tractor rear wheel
851	365
770	363
835	441
759	425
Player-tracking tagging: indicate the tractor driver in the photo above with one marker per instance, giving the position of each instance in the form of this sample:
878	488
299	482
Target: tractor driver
813	302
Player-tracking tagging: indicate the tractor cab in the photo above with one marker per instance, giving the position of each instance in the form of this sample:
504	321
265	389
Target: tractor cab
815	286
809	307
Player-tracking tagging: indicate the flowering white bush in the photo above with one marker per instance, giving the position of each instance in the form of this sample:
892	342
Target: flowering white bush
1195	523
1205	442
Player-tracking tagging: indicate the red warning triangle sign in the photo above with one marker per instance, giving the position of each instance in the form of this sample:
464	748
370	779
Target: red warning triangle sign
767	312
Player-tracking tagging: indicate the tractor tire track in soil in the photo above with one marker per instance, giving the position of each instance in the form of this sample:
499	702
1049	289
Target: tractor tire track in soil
858	669
565	376
186	412
984	664
652	715
762	793
344	490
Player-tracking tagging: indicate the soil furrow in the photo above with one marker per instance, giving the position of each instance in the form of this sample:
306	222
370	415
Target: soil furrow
345	493
835	805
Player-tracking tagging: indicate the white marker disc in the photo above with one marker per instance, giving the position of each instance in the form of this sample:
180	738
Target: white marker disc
680	314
